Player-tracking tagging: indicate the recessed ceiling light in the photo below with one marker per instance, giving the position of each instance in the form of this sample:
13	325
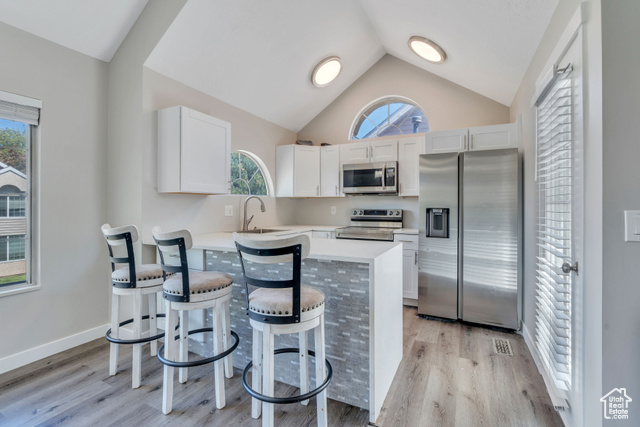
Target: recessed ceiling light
427	49
326	71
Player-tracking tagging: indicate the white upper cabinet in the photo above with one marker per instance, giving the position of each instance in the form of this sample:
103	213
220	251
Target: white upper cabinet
356	152
383	151
297	171
408	174
471	139
369	151
330	171
493	137
446	141
194	152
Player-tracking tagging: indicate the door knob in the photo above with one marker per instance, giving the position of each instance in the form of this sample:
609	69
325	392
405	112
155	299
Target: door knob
568	268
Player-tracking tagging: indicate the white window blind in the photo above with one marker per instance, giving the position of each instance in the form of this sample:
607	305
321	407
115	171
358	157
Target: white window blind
554	173
19	108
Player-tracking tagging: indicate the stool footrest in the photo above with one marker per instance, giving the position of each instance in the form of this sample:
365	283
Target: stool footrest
134	341
291	399
199	362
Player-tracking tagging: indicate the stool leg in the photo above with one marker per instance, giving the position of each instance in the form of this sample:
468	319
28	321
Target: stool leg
183	373
267	374
217	349
137	332
256	373
169	354
304	368
226	339
115	333
321	374
153	323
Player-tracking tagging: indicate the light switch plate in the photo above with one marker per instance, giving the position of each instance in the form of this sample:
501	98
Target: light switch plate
632	226
228	210
333	210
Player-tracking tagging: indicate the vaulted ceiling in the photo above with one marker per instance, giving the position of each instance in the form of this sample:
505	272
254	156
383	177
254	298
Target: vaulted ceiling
258	55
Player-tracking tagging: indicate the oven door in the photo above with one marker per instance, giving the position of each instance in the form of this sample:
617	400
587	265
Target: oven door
370	178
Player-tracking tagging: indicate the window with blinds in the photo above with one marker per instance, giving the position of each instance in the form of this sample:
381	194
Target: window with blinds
554	173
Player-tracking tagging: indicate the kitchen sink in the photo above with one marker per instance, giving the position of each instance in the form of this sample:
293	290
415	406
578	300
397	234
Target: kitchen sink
261	231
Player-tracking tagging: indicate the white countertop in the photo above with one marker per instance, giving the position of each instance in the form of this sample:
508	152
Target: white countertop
329	249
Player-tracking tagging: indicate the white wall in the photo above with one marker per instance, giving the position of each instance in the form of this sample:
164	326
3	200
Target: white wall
446	105
586	409
621	260
196	212
70	193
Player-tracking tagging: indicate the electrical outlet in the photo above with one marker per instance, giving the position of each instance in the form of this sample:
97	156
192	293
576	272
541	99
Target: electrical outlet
228	210
333	210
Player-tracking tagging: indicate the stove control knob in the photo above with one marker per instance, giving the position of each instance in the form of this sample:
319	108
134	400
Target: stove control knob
389	213
397	213
355	212
360	212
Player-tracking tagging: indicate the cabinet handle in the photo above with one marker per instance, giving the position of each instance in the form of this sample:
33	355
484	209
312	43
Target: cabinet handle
337	194
317	190
400	187
465	142
471	142
415	262
405	241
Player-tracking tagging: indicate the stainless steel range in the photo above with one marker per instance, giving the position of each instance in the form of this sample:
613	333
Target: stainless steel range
372	224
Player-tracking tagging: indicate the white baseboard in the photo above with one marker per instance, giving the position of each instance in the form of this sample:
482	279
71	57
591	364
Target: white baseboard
34	354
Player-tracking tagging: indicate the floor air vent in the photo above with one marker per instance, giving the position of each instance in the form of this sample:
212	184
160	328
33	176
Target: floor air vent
502	346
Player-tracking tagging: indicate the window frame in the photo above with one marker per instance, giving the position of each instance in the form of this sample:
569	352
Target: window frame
391	99
263	169
31	282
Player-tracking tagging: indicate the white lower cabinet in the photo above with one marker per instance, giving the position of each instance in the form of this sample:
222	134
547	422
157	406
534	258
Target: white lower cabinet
323	234
409	267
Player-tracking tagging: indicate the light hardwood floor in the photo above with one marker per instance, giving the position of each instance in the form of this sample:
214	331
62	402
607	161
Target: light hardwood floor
449	376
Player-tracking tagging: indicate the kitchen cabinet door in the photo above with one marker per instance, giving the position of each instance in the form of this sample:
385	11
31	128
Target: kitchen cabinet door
493	137
194	152
330	171
307	171
383	151
297	171
408	174
355	152
409	274
446	141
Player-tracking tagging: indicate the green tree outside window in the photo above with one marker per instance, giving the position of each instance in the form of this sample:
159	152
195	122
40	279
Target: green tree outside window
246	176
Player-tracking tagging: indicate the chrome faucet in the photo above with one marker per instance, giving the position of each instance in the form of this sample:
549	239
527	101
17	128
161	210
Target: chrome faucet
245	223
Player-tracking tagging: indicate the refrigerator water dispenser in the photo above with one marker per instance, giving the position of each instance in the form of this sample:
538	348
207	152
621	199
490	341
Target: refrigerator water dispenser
437	222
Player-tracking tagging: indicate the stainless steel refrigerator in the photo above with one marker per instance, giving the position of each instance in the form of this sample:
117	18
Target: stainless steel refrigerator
470	237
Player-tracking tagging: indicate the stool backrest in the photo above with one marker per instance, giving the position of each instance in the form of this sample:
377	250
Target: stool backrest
171	242
268	250
125	237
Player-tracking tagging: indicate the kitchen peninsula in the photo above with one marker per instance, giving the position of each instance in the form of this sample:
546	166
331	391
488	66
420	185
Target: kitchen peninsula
362	283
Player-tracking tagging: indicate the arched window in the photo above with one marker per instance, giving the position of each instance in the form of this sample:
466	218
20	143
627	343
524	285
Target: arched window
391	115
249	175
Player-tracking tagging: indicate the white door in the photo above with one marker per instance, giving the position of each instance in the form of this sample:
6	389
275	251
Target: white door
330	171
356	152
383	151
560	181
408	174
306	178
493	137
446	141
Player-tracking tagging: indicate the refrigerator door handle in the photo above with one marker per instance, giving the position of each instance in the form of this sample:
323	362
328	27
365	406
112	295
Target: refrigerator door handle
465	142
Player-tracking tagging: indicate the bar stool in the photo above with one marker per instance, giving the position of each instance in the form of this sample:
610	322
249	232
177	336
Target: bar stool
195	290
282	307
136	281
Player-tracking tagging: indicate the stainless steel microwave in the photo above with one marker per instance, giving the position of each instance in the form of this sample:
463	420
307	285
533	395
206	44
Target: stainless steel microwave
370	178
